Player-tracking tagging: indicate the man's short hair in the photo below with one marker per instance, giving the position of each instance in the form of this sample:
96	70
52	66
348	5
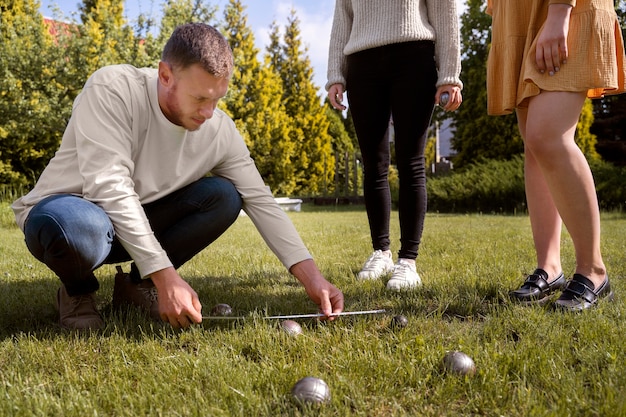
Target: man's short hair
199	43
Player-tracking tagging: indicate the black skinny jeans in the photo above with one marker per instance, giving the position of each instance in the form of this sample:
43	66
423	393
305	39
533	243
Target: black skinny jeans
396	80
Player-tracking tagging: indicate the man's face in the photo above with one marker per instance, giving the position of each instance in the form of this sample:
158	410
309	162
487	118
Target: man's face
189	96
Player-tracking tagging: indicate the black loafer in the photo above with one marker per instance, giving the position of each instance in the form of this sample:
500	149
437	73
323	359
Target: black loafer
536	289
580	294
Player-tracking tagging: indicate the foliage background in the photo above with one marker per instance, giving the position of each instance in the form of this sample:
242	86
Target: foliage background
301	145
43	66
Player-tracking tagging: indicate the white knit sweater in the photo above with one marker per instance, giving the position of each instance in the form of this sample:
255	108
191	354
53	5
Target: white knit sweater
365	24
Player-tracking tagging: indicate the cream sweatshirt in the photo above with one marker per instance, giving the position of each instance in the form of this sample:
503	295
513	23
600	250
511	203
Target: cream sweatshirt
119	151
365	24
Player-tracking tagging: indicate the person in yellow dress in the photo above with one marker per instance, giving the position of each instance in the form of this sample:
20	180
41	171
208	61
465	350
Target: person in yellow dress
546	58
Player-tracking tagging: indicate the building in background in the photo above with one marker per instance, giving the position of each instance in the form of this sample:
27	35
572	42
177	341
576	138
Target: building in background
444	152
443	147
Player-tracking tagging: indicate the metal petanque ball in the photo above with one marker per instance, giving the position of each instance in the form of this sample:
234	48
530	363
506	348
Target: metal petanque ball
291	327
399	321
311	390
222	310
459	363
443	99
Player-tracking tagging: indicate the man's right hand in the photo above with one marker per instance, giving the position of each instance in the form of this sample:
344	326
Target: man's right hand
179	304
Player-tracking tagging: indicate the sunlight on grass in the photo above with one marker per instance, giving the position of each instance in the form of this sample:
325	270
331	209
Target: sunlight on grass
530	361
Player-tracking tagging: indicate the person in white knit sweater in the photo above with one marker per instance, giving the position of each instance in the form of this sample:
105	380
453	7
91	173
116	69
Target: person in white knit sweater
395	59
149	170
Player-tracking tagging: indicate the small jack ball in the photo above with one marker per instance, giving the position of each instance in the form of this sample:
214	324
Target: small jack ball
311	390
291	327
222	310
459	363
399	321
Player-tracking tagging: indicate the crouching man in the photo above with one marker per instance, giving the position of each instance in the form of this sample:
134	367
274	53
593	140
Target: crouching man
149	170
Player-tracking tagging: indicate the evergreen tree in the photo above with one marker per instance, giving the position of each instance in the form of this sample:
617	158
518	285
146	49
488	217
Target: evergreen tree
348	124
344	150
430	152
238	103
314	156
274	52
148	47
103	38
178	12
34	103
94	10
609	122
610	128
254	101
477	134
586	140
269	131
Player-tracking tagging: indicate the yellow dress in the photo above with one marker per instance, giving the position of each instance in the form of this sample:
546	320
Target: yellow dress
596	61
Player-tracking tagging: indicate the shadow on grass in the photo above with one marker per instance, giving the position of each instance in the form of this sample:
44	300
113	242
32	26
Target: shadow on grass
264	294
27	307
267	293
32	310
462	302
334	208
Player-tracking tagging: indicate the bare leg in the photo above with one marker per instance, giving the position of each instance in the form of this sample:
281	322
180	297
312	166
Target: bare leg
545	221
549	128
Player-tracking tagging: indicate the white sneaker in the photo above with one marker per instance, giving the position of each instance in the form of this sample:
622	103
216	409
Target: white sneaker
404	276
377	265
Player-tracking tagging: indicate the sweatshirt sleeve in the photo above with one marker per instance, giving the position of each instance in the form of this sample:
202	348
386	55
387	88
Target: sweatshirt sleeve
339	36
570	2
101	122
270	220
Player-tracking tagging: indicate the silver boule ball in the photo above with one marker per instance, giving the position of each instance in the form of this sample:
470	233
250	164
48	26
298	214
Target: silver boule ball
443	99
459	363
291	327
399	321
221	310
311	390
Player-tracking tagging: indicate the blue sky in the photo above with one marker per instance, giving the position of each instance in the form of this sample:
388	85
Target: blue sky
315	21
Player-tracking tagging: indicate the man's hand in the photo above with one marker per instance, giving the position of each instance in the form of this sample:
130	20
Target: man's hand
320	291
179	304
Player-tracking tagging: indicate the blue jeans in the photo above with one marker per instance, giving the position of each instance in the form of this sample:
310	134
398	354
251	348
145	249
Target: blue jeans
74	237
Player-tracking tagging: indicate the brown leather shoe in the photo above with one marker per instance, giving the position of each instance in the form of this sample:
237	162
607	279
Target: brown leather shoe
143	294
78	313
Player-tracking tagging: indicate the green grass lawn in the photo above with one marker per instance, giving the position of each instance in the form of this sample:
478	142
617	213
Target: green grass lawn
530	361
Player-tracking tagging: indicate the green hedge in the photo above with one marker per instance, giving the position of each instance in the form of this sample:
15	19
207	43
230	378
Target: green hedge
493	186
488	186
610	185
